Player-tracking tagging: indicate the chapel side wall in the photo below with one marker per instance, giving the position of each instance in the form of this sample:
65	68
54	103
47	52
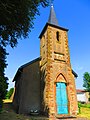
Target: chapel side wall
44	93
16	98
30	96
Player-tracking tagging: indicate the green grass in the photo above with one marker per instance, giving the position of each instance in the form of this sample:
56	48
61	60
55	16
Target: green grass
85	105
8	113
7	101
85	112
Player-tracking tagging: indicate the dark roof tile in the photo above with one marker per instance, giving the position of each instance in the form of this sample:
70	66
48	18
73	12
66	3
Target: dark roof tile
52	17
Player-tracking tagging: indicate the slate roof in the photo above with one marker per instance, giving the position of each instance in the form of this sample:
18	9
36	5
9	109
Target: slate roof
80	91
52	17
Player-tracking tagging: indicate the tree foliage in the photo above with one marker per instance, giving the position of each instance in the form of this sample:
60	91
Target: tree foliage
17	19
3	79
9	93
86	80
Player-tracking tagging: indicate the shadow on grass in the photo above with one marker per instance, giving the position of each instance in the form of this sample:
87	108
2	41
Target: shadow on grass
9	114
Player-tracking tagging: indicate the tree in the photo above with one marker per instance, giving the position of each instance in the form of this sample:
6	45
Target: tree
86	84
9	93
3	79
16	21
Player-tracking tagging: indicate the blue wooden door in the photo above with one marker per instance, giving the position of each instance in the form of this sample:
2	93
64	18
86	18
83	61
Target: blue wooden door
61	98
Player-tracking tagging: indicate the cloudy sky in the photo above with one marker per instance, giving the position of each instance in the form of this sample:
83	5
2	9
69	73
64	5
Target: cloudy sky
71	14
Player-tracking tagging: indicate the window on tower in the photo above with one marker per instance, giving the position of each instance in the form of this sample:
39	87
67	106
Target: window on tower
57	35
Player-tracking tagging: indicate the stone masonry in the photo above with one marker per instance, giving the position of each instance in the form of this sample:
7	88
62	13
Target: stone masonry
56	67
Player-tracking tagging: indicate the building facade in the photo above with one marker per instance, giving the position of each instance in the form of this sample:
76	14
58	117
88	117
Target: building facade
82	96
47	84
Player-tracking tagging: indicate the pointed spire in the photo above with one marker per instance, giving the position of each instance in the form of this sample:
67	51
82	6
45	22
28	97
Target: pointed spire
52	17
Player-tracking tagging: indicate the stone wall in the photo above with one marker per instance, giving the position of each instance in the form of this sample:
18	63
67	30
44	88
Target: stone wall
57	68
27	94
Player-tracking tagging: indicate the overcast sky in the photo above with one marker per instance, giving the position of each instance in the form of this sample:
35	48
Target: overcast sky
71	14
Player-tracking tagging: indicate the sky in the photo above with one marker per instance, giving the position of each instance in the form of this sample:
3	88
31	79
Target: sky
71	14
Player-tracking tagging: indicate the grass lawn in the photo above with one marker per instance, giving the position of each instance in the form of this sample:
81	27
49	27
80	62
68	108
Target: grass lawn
85	112
7	101
8	114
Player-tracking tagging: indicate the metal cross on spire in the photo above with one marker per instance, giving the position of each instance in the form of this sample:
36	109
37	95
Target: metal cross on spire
51	2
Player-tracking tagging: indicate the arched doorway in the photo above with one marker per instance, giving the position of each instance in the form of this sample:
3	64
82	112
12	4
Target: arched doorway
61	95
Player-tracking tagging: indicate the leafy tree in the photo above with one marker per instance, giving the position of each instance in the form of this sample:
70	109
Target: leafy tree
16	21
86	80
3	79
9	93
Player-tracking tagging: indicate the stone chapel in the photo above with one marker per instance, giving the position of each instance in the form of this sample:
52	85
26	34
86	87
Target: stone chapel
46	85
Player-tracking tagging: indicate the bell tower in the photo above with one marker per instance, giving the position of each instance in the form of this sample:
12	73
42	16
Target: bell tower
58	91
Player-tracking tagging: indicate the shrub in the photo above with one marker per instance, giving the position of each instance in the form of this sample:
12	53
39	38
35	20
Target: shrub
79	107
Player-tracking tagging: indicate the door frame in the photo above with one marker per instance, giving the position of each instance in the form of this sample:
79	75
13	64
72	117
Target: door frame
56	81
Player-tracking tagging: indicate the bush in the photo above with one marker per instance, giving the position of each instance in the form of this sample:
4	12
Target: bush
79	107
